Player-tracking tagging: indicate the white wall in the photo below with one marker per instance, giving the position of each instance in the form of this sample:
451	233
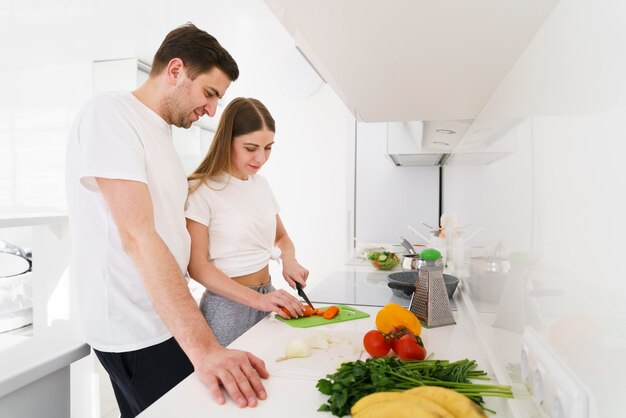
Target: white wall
47	49
389	197
563	191
501	205
47	52
310	160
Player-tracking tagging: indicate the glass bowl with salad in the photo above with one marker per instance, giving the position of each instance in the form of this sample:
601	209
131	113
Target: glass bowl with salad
383	260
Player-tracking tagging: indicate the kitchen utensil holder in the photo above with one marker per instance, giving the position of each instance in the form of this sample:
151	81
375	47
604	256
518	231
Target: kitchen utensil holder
430	302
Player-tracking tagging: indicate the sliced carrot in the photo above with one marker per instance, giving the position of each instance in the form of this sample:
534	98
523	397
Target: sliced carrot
286	311
331	312
308	311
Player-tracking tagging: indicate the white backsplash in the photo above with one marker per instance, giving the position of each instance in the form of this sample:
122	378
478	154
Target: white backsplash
560	196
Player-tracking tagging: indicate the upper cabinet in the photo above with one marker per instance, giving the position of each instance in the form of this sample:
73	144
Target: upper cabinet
417	60
411	60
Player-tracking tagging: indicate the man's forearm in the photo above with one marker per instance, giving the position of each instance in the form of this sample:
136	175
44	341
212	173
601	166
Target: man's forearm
169	293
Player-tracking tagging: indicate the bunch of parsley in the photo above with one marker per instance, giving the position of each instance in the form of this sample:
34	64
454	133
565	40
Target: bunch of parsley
356	379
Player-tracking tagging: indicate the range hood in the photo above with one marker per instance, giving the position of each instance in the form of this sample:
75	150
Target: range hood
439	143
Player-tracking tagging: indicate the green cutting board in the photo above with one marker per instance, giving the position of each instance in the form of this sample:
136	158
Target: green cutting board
346	313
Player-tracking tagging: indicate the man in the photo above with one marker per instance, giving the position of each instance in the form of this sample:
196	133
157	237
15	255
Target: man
126	195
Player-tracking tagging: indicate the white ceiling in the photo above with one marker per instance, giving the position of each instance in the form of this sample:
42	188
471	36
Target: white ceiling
404	60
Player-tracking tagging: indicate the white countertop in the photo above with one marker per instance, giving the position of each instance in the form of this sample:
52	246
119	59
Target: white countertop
356	286
358	283
24	360
15	219
291	386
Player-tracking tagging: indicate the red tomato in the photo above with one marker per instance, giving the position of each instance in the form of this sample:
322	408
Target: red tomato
375	343
394	344
407	347
396	334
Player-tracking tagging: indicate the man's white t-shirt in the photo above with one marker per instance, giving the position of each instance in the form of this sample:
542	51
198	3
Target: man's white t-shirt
115	136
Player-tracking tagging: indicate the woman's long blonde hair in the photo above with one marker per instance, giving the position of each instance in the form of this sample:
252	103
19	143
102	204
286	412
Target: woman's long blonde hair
242	116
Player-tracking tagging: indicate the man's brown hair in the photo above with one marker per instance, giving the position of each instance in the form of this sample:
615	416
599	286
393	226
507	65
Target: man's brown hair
199	51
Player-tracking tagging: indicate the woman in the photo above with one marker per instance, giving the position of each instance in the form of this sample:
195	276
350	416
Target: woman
232	217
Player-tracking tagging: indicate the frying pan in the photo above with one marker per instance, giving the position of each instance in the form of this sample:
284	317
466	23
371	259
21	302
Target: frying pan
403	283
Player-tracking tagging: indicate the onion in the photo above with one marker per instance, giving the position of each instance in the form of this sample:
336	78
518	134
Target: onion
317	341
296	348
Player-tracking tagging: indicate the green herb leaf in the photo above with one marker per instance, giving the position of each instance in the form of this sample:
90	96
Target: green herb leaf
324	386
354	380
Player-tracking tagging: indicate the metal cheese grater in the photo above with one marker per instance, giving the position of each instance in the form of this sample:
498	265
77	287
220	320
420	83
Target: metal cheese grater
430	300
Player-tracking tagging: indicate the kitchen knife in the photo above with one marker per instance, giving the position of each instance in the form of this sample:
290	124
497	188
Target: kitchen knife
406	244
303	295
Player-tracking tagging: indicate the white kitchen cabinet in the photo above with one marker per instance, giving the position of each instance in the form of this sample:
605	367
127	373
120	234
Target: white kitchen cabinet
50	245
36	375
35	370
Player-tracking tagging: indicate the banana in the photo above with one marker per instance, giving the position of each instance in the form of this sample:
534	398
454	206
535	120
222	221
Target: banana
373	398
411	407
458	405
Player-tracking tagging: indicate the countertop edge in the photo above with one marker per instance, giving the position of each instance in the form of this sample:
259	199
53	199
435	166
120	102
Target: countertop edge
12	220
25	363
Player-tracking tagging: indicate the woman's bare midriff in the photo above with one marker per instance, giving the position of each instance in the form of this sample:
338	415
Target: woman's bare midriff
254	279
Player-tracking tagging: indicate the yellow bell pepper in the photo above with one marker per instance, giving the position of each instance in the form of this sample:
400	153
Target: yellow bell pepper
393	316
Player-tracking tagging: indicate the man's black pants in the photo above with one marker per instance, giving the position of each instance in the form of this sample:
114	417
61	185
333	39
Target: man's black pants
141	377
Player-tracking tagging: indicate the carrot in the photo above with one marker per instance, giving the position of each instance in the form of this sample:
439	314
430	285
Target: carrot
286	311
308	311
331	312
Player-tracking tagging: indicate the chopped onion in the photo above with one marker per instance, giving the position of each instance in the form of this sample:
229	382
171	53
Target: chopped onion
296	348
318	341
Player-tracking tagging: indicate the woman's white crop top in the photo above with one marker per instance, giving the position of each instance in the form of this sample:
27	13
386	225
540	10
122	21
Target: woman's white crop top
241	218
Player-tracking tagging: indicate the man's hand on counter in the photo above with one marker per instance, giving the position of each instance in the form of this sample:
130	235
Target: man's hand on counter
239	372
